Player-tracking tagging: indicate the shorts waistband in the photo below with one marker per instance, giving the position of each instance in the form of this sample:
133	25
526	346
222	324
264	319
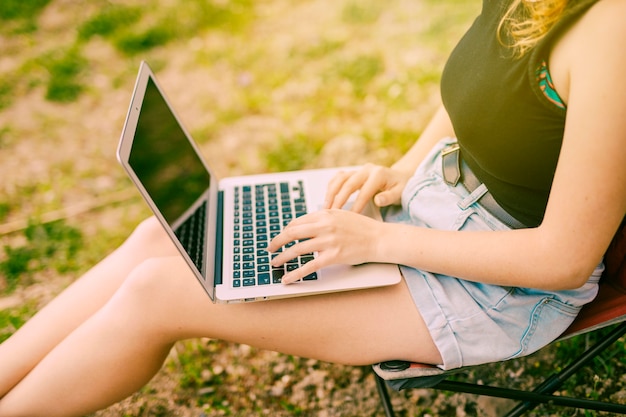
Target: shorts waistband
456	172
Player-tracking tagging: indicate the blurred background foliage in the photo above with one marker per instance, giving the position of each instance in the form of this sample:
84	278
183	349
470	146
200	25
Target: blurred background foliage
263	86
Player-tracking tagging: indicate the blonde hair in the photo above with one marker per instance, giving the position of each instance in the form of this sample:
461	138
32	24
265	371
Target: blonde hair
527	21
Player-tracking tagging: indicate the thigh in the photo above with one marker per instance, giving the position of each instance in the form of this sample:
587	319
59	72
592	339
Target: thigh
354	327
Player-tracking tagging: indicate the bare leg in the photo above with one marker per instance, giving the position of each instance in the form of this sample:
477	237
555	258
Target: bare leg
117	350
20	353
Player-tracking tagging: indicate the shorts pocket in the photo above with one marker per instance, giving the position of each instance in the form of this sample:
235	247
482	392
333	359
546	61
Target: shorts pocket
548	320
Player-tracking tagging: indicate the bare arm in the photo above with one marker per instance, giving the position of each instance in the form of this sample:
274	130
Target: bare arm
586	203
588	197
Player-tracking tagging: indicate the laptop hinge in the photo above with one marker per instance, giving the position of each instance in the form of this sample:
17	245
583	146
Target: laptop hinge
219	231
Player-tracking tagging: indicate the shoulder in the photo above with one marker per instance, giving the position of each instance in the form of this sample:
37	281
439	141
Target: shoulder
592	47
602	27
597	42
606	17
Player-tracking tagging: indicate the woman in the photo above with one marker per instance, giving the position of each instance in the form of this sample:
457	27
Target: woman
548	145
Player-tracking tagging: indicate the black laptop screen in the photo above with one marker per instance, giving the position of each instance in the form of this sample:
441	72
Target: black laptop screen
164	160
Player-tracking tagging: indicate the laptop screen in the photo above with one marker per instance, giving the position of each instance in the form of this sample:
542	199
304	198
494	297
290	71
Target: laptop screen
164	160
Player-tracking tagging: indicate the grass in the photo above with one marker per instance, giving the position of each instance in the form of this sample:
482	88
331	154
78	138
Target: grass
46	246
110	20
20	16
66	69
13	319
360	72
263	86
16	9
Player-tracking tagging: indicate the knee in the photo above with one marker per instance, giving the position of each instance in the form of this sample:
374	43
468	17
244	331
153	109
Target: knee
149	281
149	237
151	296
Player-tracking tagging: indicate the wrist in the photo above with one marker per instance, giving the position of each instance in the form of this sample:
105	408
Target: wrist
382	242
407	168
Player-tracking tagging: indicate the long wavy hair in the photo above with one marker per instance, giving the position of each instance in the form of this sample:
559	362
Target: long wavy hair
527	21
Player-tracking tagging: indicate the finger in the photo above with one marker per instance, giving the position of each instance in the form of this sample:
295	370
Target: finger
278	242
293	231
389	197
333	187
301	272
353	183
293	252
368	190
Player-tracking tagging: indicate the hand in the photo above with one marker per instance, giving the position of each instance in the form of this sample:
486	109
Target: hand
383	184
338	237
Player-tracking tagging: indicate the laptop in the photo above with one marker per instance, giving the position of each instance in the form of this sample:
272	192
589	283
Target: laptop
222	227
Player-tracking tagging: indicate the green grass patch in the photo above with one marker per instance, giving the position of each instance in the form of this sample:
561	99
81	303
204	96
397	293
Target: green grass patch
6	92
4	136
110	19
321	50
122	25
19	16
65	69
21	9
131	33
12	319
360	71
196	373
48	245
132	43
362	12
398	142
5	209
291	154
231	16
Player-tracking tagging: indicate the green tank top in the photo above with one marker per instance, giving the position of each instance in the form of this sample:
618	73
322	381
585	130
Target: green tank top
507	117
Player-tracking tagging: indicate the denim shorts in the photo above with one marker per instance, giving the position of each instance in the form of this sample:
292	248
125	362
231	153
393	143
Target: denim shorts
473	323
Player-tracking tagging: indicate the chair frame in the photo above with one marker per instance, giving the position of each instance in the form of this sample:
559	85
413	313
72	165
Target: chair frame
542	394
608	309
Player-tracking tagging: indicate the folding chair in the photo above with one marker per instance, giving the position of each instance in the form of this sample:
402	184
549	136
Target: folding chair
608	309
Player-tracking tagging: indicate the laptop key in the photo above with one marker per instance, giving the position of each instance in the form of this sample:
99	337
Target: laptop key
264	279
277	275
310	277
264	210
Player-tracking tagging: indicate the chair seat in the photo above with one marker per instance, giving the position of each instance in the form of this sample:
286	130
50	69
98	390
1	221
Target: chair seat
609	307
401	375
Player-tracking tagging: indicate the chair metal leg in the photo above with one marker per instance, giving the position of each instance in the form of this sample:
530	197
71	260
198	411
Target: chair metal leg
531	397
383	393
555	381
542	394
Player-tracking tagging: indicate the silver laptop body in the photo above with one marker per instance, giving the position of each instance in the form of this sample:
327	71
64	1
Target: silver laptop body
231	219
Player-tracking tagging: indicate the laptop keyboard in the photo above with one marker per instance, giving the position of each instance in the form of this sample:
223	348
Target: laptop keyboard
261	212
191	235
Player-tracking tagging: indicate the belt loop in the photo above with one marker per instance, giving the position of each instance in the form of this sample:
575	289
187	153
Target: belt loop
455	171
473	197
451	164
